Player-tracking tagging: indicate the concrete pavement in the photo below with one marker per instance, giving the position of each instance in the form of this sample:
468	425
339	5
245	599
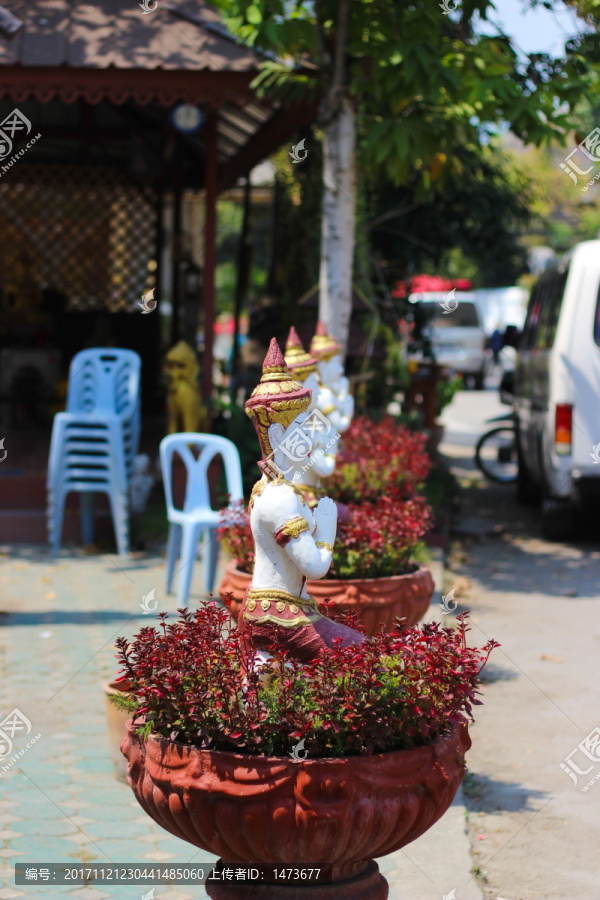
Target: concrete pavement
535	832
59	802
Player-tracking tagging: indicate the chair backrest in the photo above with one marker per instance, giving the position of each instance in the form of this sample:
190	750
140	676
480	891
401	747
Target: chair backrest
197	493
105	380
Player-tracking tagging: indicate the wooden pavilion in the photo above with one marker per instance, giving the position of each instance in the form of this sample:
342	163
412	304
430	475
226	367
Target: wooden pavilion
109	113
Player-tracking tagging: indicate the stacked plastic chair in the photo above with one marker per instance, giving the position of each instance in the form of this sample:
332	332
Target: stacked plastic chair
95	441
193	527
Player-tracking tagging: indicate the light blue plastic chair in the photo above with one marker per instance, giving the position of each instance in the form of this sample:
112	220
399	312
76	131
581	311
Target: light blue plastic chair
94	442
197	520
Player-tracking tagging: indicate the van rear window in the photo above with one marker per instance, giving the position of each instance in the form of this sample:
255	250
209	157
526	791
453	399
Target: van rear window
464	316
544	310
597	319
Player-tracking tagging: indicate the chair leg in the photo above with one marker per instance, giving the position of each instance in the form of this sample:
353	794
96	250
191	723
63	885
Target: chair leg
189	551
120	517
173	550
87	501
55	513
210	558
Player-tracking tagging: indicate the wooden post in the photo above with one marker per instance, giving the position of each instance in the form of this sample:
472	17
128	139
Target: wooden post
210	229
241	288
176	246
158	273
274	281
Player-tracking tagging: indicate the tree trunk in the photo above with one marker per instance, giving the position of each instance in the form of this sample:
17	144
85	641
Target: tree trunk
337	229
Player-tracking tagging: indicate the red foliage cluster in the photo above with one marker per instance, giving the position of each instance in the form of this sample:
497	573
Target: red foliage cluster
396	691
235	533
375	540
376	459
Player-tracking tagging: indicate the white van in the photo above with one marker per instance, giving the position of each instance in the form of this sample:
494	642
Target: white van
557	390
457	333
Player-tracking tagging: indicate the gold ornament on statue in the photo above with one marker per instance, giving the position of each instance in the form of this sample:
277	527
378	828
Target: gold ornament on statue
278	398
323	344
300	363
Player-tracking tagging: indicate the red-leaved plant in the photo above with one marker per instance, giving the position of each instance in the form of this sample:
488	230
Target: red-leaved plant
378	539
378	459
236	535
374	540
187	682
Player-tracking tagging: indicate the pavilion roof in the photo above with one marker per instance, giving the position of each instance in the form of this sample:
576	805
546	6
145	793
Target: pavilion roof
181	52
180	34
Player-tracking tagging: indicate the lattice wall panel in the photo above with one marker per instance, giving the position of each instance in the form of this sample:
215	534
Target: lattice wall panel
88	232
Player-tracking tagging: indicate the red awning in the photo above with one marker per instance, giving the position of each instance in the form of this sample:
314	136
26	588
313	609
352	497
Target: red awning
421	284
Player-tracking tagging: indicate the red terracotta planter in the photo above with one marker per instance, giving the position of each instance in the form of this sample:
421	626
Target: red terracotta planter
375	600
274	811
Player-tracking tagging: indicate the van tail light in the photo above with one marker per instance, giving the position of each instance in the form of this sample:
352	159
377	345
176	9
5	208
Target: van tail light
563	428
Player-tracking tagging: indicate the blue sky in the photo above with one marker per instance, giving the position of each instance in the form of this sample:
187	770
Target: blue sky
535	30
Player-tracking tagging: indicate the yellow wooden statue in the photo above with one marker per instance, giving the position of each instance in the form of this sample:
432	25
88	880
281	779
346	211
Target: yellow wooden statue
183	399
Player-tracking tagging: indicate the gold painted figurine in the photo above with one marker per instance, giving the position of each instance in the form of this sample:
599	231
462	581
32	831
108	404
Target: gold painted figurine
183	399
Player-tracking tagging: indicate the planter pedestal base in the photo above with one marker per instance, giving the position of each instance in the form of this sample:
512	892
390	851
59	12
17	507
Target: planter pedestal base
370	885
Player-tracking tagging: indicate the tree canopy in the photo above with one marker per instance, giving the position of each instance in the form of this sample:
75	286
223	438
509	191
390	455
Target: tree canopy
426	82
474	220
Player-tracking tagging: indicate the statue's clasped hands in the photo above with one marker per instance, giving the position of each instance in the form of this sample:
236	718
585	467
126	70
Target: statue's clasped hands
325	515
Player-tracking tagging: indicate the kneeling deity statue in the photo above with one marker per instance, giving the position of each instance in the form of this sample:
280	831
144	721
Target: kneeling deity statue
335	400
321	433
292	542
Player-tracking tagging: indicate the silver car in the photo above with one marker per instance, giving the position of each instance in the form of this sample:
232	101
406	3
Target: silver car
456	331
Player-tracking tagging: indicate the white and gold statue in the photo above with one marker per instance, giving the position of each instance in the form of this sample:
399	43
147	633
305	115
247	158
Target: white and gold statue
321	433
292	542
336	401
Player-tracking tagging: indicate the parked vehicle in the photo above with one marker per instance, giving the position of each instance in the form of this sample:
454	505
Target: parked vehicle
455	330
556	396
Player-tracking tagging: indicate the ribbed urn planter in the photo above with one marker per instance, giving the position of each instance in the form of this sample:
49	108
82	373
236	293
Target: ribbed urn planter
375	600
275	811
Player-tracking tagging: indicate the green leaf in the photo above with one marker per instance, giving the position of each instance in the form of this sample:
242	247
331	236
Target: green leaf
401	141
254	14
383	148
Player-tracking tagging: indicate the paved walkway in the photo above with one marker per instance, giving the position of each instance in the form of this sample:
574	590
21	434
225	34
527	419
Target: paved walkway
534	832
63	803
60	802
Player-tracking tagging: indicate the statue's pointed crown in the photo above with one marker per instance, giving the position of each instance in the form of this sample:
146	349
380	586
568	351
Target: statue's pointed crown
277	398
323	344
274	367
299	362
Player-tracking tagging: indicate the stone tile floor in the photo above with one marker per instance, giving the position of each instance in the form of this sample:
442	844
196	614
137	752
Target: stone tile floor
60	801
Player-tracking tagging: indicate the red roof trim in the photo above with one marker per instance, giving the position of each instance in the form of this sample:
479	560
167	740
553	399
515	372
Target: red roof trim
118	85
